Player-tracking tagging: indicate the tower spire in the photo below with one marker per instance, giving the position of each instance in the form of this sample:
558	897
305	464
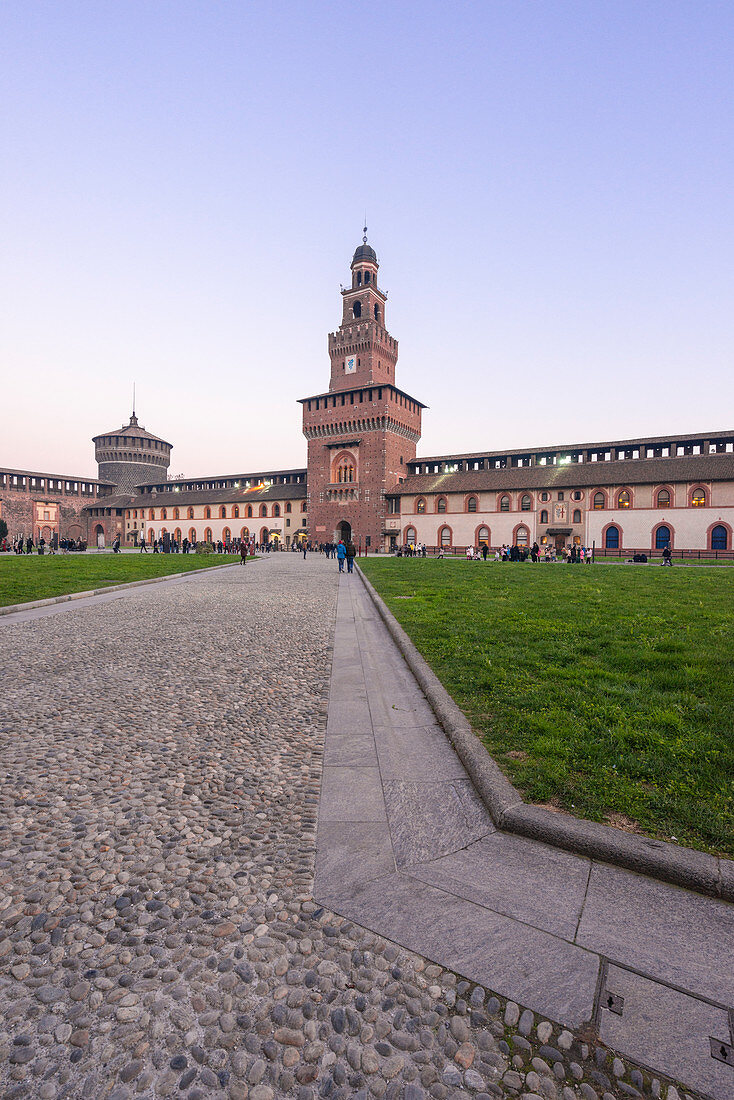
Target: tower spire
364	239
133	418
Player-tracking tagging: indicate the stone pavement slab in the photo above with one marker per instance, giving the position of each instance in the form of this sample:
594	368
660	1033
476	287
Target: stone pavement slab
678	1028
678	936
516	877
542	926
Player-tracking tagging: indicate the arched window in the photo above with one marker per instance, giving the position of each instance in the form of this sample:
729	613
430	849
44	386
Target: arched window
192	534
410	536
189	513
222	512
164	513
344	470
521	538
544	516
263	509
176	513
208	515
526	503
226	535
245	533
663	499
719	537
420	506
444	536
357	309
623	499
441	504
611	539
208	534
504	504
276	509
599	501
577	515
377	313
177	535
662	537
236	512
698	498
151	513
248	511
483	536
471	504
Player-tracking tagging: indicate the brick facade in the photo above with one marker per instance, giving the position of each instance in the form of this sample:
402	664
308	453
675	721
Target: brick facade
362	432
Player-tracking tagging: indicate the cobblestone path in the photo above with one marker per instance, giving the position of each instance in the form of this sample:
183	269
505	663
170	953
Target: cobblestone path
160	767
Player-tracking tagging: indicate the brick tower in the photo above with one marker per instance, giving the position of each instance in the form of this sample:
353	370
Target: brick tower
363	432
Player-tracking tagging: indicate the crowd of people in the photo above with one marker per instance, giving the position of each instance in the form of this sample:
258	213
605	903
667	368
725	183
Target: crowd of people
25	544
569	554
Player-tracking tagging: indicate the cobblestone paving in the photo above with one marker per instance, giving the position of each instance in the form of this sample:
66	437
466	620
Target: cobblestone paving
160	762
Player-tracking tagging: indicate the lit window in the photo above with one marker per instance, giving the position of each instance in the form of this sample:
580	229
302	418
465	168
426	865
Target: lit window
522	536
599	501
623	500
420	506
698	500
663	500
445	536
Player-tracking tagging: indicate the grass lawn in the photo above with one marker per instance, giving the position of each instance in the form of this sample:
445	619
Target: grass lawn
37	578
605	692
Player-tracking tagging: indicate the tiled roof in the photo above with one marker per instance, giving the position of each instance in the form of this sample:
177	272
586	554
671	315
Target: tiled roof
204	496
647	441
655	471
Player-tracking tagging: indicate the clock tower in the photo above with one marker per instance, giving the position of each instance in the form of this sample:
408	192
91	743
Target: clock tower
362	432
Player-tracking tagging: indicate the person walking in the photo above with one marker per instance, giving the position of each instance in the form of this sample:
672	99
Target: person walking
143	544
305	548
341	553
351	551
243	552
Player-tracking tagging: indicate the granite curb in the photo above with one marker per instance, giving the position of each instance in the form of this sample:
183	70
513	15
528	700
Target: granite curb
14	608
699	871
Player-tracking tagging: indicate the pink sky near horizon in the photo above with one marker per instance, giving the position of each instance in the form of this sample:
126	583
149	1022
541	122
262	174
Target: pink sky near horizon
548	188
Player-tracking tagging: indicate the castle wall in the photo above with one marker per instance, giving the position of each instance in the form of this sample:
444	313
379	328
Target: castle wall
34	504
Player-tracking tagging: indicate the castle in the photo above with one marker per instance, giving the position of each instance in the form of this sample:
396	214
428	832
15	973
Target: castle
363	479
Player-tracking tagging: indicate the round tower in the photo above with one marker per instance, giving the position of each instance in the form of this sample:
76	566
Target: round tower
130	456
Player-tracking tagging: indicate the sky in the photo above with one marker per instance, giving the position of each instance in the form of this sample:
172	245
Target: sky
548	187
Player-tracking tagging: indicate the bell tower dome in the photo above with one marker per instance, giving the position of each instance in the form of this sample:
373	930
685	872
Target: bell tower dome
362	351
